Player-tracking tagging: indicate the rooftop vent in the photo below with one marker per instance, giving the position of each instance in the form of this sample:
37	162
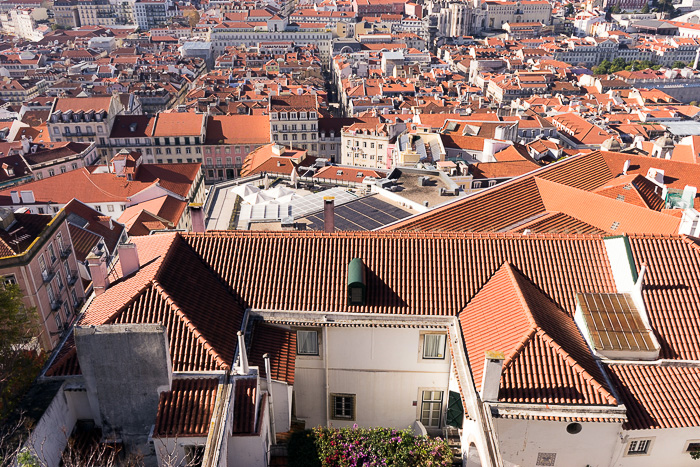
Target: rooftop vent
357	283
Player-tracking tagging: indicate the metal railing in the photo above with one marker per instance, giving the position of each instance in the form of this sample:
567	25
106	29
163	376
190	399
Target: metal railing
65	252
48	274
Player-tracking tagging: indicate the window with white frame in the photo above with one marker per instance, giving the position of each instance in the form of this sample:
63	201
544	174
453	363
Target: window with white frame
9	279
434	346
307	342
343	406
638	446
431	408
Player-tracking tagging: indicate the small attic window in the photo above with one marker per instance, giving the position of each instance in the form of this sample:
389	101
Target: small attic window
620	197
615	225
357	283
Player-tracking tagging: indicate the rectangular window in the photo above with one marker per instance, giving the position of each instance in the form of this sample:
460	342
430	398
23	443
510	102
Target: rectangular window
307	342
59	282
110	208
343	406
434	346
52	253
9	279
639	446
431	408
98	208
693	446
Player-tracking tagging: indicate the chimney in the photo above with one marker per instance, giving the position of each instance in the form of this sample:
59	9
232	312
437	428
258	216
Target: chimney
268	376
128	258
242	355
197	214
25	145
15	197
491	378
328	214
97	264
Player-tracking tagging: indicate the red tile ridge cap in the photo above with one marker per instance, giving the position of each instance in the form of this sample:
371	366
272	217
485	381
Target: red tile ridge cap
576	366
396	234
198	335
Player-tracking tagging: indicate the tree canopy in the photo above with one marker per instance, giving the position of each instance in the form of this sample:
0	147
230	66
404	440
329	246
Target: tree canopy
20	360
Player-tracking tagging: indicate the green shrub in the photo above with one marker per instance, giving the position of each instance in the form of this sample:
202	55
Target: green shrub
302	449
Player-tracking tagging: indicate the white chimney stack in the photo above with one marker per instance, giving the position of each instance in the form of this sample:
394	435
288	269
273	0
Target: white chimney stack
128	258
242	355
491	378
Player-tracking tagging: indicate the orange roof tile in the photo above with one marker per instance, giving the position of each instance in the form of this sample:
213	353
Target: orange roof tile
547	360
658	396
186	409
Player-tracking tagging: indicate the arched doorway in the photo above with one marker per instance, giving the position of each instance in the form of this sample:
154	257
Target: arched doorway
472	458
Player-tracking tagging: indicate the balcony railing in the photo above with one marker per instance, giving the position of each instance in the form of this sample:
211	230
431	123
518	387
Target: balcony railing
73	277
48	274
65	252
56	303
76	303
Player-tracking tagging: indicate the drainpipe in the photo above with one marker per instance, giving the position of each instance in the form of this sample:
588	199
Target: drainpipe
268	373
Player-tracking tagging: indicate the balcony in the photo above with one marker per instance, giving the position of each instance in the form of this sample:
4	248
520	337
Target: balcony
76	304
56	303
48	274
65	252
73	277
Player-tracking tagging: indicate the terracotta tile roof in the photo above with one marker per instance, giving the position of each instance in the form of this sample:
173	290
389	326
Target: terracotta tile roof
546	359
244	404
165	207
558	223
186	409
83	241
671	292
281	344
143	126
85	104
89	219
561	266
634	189
604	213
178	124
506	169
174	288
658	396
105	187
513	202
238	129
177	178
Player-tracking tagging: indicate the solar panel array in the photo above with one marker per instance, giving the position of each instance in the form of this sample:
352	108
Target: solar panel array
366	213
614	322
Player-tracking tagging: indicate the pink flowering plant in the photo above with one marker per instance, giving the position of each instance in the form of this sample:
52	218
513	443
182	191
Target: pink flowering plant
375	447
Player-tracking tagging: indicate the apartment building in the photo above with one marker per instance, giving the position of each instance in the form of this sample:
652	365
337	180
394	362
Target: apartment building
80	118
294	121
229	139
152	13
38	256
369	144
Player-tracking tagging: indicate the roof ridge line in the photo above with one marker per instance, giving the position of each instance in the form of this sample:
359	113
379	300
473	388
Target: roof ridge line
188	323
568	358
